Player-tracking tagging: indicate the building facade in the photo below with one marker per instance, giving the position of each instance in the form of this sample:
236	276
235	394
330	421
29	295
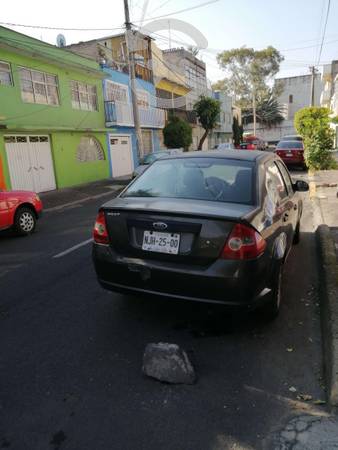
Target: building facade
329	96
119	117
192	71
111	54
52	119
295	95
223	131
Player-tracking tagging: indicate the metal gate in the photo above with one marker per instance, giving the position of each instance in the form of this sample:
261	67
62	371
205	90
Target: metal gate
121	155
30	162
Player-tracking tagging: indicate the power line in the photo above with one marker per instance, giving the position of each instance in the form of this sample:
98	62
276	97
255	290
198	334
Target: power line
320	26
43	27
181	10
161	6
324	31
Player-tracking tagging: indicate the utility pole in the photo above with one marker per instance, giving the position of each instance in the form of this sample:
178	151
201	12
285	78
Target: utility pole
254	111
131	61
313	73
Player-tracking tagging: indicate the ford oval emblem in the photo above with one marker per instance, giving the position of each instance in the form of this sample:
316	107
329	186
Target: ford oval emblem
160	226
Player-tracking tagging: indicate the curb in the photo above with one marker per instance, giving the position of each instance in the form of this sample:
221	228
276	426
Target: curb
85	199
328	292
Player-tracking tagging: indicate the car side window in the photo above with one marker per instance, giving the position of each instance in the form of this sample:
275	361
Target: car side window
274	183
286	177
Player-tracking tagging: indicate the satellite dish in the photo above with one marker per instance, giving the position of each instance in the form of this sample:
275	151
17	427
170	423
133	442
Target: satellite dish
60	40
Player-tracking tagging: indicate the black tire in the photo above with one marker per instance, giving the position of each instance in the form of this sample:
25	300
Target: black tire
25	221
296	237
272	307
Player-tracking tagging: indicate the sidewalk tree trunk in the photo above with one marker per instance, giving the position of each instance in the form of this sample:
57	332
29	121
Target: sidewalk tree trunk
207	110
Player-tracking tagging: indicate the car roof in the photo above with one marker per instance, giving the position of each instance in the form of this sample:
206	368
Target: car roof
290	141
241	155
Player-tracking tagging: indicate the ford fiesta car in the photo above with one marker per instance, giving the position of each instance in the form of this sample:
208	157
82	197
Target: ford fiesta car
203	226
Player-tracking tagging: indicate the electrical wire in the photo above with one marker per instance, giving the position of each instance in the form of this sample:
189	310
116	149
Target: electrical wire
43	27
181	11
319	28
161	6
324	31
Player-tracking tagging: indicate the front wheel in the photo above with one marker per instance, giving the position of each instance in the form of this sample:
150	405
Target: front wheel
272	307
25	221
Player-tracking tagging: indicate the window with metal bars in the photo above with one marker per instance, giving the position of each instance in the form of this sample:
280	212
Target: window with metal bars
5	74
84	96
38	87
89	149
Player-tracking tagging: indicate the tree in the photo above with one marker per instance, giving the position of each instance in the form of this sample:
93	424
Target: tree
177	133
207	110
313	124
237	131
248	73
268	111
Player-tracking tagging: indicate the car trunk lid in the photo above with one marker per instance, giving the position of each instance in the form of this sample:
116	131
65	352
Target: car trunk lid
198	229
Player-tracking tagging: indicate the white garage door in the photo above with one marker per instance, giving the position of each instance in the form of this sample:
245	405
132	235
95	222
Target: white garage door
121	155
30	162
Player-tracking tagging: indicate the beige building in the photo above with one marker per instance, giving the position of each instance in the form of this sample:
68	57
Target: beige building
193	71
296	94
329	97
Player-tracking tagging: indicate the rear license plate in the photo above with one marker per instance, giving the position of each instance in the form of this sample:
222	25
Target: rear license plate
154	241
289	154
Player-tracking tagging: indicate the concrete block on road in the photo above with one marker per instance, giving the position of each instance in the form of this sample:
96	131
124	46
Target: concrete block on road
168	363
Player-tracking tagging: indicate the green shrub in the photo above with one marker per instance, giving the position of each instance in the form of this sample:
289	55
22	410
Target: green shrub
177	133
313	124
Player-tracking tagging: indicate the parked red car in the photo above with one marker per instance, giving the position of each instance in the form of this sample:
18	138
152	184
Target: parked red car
252	143
19	210
291	152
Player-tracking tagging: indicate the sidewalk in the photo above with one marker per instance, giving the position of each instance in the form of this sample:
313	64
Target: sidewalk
326	191
71	196
323	192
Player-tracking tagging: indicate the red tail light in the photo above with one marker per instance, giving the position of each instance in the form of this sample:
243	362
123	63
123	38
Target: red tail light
243	243
100	233
250	147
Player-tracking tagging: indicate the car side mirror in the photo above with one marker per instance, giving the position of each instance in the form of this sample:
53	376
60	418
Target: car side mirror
301	186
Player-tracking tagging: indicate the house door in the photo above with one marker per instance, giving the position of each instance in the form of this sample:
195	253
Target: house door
121	155
30	163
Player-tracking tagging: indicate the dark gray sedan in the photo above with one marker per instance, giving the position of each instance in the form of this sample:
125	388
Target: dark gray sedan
211	227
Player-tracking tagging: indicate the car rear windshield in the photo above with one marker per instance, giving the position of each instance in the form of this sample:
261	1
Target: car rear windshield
290	144
213	179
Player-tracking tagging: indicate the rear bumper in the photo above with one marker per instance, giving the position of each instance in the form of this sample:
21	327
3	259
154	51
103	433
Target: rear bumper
231	283
292	160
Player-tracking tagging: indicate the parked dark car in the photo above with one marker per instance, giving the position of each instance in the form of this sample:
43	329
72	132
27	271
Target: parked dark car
204	226
292	153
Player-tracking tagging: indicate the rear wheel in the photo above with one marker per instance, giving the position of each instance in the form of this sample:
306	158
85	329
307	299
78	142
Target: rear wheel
272	307
25	221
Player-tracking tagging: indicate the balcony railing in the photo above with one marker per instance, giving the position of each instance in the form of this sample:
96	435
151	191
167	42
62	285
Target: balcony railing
118	113
188	116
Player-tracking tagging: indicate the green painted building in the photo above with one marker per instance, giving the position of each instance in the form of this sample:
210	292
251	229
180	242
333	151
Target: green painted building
52	121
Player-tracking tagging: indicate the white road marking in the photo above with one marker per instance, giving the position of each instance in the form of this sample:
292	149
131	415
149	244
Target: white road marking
72	249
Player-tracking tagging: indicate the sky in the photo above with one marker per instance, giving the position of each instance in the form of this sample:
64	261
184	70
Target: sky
295	27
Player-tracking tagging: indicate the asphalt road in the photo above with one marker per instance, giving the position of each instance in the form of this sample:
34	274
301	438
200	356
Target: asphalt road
71	354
